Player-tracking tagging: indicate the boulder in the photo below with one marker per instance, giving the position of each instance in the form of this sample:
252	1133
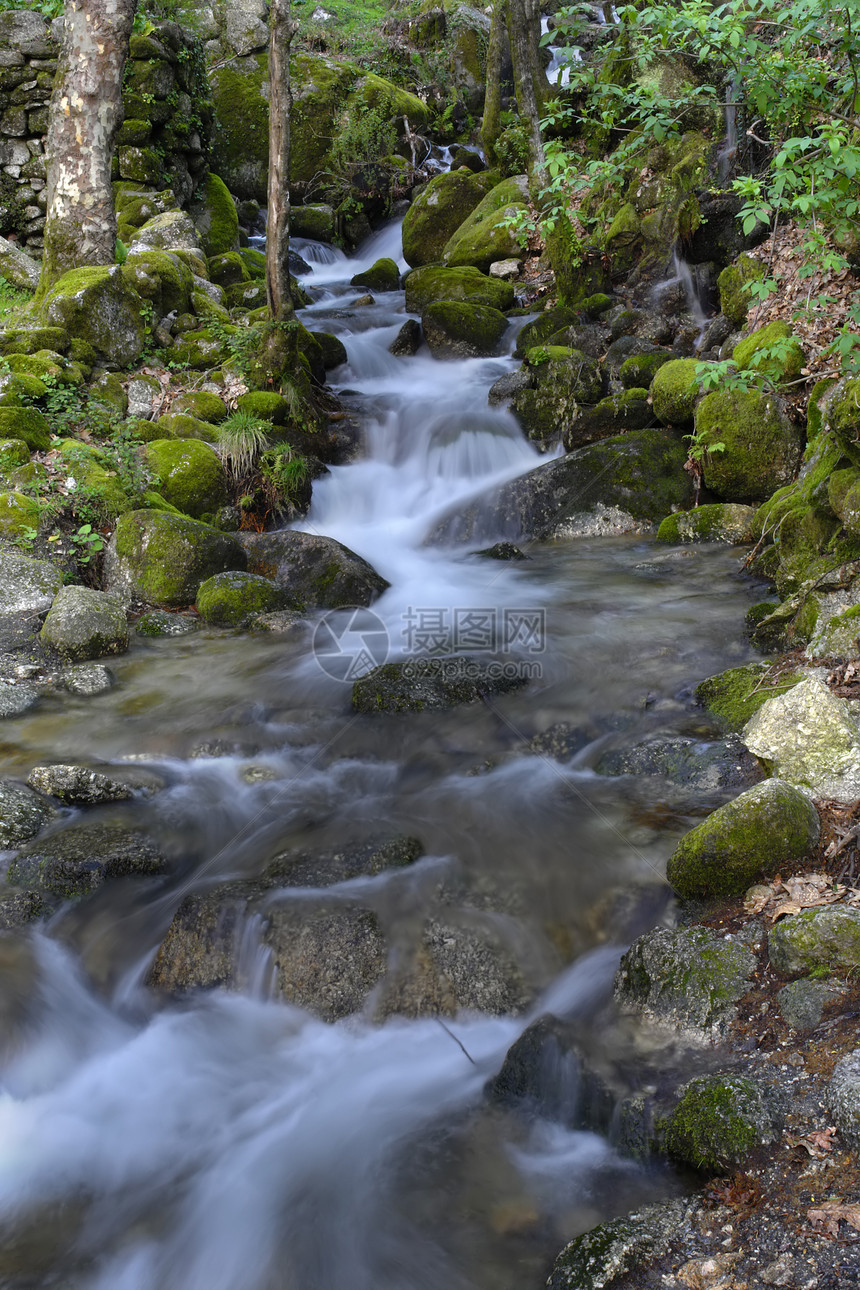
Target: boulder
734	283
640	474
675	391
436	214
720	1120
316	572
26	424
160	278
98	306
79	785
162	559
810	738
188	474
564	382
687	979
169	231
214	214
802	1003
721	522
433	684
430	283
608	1252
383	275
486	235
827	937
456	329
316	222
843	1098
781	366
230	599
762	450
203	405
23	813
20	515
735	695
17	268
75	861
768	827
84	624
842	416
27	585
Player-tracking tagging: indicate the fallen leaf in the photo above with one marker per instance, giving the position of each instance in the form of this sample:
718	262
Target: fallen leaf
828	1215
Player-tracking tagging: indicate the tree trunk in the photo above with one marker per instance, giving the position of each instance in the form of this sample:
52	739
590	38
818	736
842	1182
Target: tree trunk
491	127
532	87
282	30
86	111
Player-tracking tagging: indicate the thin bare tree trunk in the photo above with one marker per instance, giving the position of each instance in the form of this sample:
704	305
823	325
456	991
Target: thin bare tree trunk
282	28
85	113
491	126
524	33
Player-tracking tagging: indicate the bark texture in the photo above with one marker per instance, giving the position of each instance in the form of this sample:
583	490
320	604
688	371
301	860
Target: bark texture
281	32
492	126
530	83
85	113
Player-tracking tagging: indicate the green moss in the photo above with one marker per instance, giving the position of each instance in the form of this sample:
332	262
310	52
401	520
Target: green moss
215	216
641	369
253	260
203	349
18	514
733	696
383	275
762	448
98	306
733	284
189	475
436	214
675	391
266	405
166	557
314	221
816	404
29	340
333	349
721	522
229	599
181	425
460	329
21	389
597	304
228	268
842	417
484	236
544	327
26	424
13	453
158	276
778	369
564	384
624	239
719	1121
430	283
202	405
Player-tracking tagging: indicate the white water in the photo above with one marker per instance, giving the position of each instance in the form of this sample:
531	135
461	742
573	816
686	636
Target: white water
561	56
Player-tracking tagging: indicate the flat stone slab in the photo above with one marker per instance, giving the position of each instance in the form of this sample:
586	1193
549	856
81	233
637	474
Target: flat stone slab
811	739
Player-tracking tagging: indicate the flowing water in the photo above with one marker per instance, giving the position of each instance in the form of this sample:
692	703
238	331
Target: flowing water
233	1142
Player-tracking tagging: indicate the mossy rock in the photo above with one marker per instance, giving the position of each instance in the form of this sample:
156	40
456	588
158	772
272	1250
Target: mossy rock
207	309
202	349
815	939
315	222
162	559
228	269
189	474
266	405
563	385
383	275
425	285
437	213
431	685
18	389
253	260
101	487
720	522
640	369
733	696
837	636
616	414
182	425
108	388
230	599
485	236
162	279
201	404
780	368
333	349
18	514
98	305
29	340
44	364
762	448
25	424
215	216
734	287
769	826
623	239
842	416
84	624
249	296
458	329
721	1120
675	391
13	453
597	1258
541	329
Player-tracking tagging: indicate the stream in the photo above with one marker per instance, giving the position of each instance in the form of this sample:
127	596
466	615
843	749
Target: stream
229	1141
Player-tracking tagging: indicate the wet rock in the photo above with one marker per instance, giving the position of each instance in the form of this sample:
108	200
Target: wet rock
707	768
563	382
75	861
16	699
23	813
502	551
828	937
810	738
675	391
560	741
323	868
485	235
84	624
843	1098
600	1257
802	1003
688	979
510	385
162	558
617	414
316	572
433	684
546	1073
458	329
158	622
436	214
282	622
431	282
768	826
27	585
78	785
22	908
720	1120
230	599
87	679
407	341
333	349
383	275
722	522
640	474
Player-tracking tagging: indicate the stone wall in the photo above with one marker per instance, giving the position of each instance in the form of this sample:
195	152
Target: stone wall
28	63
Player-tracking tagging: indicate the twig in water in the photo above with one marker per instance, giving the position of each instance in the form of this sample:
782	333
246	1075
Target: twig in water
459	1044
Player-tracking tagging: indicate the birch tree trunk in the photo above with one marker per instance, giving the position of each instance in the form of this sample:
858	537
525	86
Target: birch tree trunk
85	114
282	28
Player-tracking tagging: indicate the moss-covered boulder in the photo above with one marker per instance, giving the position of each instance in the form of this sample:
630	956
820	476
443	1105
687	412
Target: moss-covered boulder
734	286
809	737
842	416
97	305
202	349
333	349
721	1120
486	235
437	213
316	572
564	383
720	522
639	370
315	221
162	279
837	635
229	599
432	684
766	828
675	391
688	979
182	425
170	231
215	217
459	329
162	559
427	284
614	415
13	453
203	405
83	624
383	275
18	514
228	268
95	478
188	474
543	328
827	937
26	424
774	351
762	449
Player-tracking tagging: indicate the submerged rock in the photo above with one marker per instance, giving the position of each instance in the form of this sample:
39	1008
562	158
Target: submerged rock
809	737
688	979
769	826
75	861
720	1120
433	684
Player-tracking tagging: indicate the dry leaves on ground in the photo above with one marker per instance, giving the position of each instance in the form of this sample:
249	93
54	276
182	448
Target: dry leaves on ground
826	1217
806	891
818	1143
709	1274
